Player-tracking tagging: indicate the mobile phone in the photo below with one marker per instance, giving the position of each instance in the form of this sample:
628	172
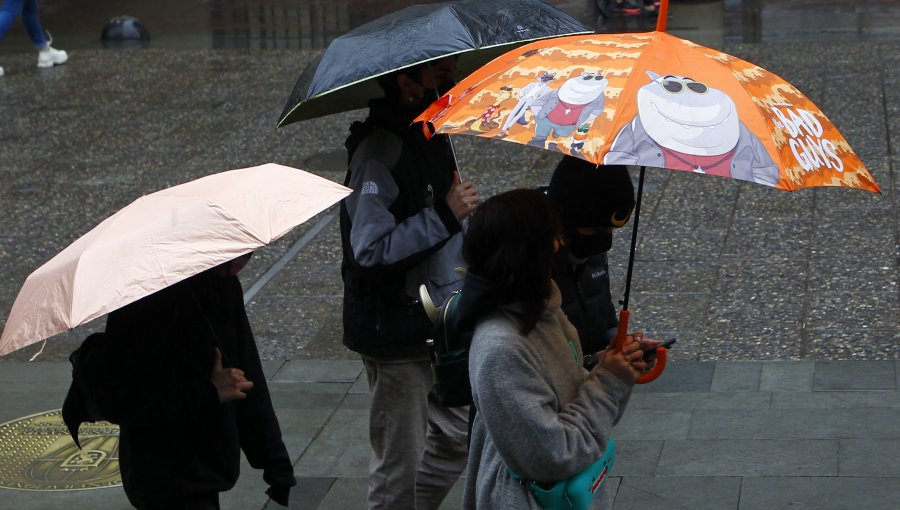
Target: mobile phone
668	343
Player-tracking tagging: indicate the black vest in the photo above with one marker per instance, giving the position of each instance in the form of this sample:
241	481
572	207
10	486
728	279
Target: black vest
380	320
586	299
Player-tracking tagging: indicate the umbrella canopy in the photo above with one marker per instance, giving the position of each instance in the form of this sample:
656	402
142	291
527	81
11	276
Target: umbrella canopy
161	239
343	78
653	99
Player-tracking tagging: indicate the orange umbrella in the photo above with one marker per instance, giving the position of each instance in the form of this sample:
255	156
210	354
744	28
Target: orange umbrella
159	240
652	99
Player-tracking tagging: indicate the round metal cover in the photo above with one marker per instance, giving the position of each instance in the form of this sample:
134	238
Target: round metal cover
37	454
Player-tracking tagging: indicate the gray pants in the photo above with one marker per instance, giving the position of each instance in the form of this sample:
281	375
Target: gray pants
418	447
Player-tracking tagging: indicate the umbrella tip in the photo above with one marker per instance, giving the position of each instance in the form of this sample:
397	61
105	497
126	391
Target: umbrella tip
662	15
428	130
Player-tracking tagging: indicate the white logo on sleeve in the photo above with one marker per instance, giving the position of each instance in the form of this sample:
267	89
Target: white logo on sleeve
369	188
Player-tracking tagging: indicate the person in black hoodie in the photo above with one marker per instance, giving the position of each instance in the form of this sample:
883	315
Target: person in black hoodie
182	377
402	227
592	201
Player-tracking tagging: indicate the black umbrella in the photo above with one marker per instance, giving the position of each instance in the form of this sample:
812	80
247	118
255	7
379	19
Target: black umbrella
343	78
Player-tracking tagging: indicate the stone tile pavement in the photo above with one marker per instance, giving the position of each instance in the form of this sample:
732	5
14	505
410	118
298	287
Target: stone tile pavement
783	392
741	435
734	270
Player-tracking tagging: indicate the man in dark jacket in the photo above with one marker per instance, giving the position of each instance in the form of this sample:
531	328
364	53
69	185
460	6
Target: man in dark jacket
592	201
400	228
183	379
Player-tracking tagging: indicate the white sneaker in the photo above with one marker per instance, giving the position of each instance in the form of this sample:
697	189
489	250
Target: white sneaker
1	71
52	57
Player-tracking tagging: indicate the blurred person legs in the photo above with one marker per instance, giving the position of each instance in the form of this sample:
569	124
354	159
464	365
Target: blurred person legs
28	11
419	448
625	7
50	56
649	9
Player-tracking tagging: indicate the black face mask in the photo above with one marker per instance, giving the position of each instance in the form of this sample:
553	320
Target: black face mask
583	247
432	94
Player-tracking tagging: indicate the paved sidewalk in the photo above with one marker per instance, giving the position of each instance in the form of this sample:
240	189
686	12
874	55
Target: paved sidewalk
742	435
735	271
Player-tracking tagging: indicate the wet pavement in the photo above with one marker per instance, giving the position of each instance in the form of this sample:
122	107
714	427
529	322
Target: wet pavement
736	272
744	435
312	24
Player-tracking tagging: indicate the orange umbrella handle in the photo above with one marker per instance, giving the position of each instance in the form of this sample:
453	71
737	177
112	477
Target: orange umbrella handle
619	342
657	370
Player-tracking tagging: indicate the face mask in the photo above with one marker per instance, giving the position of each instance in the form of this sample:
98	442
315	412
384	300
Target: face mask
583	247
432	95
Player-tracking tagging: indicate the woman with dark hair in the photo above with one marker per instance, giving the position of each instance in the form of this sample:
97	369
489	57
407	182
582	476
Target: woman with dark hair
540	414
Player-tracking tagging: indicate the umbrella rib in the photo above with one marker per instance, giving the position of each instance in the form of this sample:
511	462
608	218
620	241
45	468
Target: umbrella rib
520	42
767	133
453	9
618	112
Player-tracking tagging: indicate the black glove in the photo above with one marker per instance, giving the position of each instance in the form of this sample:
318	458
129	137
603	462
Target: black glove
279	494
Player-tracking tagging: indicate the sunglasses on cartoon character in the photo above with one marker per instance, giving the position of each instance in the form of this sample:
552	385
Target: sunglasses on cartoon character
677	87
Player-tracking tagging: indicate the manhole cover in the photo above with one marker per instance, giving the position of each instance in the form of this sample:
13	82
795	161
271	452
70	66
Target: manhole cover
38	454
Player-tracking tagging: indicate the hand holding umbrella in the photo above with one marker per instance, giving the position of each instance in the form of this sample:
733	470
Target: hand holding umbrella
625	362
463	197
663	102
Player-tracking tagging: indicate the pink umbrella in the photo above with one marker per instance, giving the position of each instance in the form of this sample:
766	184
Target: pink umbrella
159	240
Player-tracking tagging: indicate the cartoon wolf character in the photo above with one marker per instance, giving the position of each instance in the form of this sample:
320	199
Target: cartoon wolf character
527	96
686	125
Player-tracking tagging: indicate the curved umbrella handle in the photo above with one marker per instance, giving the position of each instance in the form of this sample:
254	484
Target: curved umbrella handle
657	370
619	342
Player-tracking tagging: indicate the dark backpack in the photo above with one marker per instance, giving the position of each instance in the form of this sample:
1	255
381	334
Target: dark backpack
454	325
95	373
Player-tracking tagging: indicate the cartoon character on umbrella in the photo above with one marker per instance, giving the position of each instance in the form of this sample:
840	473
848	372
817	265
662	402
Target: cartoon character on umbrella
687	125
527	96
577	103
489	119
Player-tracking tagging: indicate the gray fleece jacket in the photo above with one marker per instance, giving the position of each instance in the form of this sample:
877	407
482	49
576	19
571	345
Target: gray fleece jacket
539	411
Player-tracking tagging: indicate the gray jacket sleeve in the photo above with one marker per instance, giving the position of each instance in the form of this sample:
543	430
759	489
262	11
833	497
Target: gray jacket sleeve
592	110
539	437
623	150
751	161
375	237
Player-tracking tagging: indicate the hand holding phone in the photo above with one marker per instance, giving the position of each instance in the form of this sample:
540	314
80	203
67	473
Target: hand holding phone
665	345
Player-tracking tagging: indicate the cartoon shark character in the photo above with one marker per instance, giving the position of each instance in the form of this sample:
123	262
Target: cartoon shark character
576	103
686	125
527	96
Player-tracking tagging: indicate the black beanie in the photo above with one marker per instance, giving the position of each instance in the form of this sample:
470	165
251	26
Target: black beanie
590	196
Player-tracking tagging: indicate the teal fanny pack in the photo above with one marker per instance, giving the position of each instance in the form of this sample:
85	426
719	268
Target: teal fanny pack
577	492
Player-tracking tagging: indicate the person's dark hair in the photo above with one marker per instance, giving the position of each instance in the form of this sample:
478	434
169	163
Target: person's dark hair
590	196
388	82
510	242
